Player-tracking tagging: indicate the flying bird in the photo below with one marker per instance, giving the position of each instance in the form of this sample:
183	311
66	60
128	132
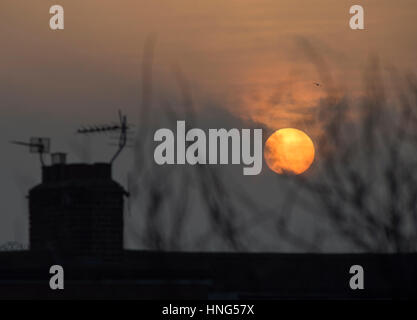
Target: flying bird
317	84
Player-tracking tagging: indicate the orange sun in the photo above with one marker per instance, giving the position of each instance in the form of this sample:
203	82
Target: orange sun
289	151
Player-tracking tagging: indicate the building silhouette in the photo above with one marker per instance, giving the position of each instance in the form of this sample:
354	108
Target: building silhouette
76	221
77	210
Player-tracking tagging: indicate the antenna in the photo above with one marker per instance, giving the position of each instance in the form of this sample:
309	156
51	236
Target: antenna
122	127
36	145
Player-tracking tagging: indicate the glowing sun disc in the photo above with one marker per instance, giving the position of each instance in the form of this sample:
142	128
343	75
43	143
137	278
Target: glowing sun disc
289	151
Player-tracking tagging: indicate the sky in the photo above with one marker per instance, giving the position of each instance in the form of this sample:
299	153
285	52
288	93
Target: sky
257	60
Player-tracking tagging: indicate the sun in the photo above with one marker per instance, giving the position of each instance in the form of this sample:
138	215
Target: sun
289	151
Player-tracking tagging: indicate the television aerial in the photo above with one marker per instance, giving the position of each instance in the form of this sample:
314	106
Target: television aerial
36	145
122	127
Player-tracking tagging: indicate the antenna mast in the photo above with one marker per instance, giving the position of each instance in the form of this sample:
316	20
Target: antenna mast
36	145
122	127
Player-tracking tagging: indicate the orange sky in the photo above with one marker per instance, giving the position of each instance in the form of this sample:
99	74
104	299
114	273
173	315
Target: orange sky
248	54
